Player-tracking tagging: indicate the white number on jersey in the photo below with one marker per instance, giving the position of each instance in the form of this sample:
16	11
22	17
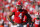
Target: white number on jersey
20	15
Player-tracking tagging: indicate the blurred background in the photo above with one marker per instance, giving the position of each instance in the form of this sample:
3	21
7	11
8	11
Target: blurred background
6	6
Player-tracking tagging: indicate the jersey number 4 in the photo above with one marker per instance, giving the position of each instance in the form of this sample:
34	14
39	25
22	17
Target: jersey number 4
20	15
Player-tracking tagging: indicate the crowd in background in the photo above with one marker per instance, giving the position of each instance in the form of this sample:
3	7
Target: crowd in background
6	6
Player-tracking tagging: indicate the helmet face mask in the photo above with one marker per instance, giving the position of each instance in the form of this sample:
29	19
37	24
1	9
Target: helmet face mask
19	6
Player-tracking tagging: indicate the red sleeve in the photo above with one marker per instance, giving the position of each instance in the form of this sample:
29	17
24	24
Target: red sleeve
13	10
25	19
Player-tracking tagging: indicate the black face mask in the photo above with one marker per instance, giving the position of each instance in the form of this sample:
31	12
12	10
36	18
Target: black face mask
20	10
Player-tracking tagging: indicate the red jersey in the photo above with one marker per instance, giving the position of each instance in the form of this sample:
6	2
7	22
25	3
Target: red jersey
18	17
36	22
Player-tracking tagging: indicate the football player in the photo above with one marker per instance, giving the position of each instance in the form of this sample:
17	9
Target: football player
19	14
37	18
